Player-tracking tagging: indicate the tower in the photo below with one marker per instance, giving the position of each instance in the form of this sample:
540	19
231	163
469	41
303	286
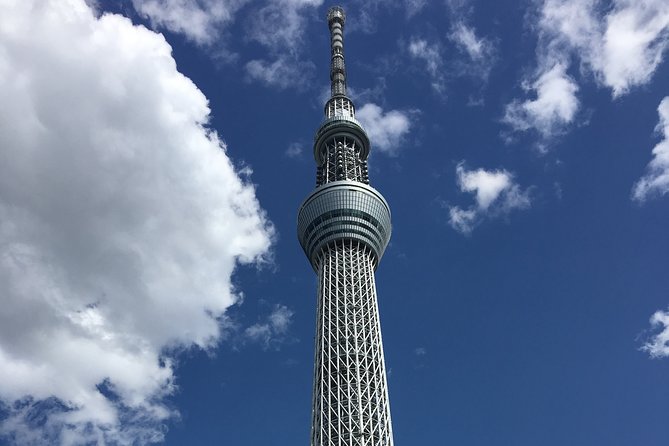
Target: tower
344	228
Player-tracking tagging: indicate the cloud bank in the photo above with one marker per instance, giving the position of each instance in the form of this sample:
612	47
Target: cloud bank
495	194
121	222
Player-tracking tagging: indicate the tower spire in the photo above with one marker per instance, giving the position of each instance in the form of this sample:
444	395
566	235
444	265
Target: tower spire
336	20
339	103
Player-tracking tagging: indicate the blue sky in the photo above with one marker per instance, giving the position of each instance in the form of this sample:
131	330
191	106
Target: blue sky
153	157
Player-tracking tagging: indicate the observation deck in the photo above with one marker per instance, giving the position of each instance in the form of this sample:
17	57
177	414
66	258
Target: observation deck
343	210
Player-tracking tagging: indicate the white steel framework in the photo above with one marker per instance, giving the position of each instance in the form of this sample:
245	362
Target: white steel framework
344	227
350	405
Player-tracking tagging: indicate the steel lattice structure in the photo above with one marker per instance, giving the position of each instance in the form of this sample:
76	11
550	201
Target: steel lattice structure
344	227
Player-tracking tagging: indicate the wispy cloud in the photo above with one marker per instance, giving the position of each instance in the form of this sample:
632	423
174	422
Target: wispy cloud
473	58
271	332
294	150
281	73
283	67
201	21
413	7
480	52
420	351
113	253
656	180
465	37
658	345
495	194
278	26
430	55
386	130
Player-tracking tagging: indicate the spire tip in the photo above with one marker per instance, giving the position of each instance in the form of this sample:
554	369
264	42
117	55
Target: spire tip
336	14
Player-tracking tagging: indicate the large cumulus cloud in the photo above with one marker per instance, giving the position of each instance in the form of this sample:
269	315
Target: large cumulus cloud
121	222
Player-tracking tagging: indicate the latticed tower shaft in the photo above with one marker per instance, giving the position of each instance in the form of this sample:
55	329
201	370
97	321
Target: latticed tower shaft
344	228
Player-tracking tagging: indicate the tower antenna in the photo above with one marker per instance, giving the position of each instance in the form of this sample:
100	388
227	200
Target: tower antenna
336	20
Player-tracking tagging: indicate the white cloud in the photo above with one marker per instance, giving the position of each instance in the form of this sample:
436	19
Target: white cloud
621	46
571	22
430	54
199	20
656	179
495	194
554	106
272	331
658	346
487	185
387	130
636	36
121	222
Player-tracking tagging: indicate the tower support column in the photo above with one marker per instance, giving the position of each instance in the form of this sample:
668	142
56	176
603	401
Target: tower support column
350	404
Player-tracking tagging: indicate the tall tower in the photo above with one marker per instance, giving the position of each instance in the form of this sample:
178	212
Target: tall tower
344	227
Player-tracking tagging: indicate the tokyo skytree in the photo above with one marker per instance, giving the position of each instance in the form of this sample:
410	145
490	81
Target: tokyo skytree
344	228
